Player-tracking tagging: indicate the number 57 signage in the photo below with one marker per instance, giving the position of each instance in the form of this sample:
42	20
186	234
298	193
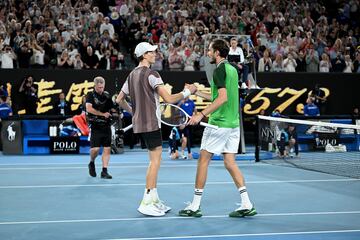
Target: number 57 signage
277	98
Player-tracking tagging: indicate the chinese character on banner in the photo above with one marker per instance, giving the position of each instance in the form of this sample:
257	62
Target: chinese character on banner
45	91
77	91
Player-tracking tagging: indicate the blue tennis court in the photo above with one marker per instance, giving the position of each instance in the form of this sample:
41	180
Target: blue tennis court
52	197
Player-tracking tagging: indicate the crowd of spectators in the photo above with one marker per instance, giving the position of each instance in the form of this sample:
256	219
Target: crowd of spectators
288	35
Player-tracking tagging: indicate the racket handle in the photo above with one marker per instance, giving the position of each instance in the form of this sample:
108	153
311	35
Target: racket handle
127	128
208	125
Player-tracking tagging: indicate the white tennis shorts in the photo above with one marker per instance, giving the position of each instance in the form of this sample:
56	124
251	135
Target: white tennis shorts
222	140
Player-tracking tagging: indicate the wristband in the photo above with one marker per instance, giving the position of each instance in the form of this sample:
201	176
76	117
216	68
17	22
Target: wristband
202	114
186	92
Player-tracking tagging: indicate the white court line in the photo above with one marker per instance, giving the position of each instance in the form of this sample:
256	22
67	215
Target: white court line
118	164
175	183
172	218
62	163
112	166
244	235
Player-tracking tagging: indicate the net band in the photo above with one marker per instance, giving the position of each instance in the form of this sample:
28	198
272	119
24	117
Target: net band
313	123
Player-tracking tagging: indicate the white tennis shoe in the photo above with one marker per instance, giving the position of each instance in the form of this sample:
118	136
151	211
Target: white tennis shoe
161	206
150	210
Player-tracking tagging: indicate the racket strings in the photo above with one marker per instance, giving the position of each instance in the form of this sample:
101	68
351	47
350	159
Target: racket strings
172	115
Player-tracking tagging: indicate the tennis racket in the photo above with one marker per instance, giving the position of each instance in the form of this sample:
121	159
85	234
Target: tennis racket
125	129
174	116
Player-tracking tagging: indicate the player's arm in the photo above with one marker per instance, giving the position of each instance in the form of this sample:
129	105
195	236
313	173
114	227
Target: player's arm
220	100
169	98
174	98
203	95
123	103
120	99
219	79
112	107
157	84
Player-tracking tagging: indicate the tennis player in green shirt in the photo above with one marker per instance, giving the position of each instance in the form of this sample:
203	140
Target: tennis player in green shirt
224	113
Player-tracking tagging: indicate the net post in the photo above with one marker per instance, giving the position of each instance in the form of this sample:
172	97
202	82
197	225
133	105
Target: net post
257	140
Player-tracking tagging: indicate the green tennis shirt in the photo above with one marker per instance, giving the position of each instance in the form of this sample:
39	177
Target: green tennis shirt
227	115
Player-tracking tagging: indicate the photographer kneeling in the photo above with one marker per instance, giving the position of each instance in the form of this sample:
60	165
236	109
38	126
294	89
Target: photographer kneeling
98	108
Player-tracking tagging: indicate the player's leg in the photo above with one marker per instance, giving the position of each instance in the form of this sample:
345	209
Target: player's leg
233	169
151	204
202	168
153	168
211	143
151	178
231	146
246	208
193	209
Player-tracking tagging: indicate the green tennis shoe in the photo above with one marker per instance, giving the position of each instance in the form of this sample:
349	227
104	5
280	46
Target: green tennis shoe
239	213
190	213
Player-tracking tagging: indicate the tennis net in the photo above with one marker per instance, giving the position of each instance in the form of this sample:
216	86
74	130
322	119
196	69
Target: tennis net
328	146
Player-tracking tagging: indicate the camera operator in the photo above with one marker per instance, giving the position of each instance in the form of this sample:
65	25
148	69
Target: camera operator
98	108
29	91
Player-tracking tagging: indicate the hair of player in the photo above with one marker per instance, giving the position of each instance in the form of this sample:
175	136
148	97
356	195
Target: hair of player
221	46
139	59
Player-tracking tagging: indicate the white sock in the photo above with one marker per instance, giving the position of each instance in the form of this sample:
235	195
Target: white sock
245	201
195	205
147	196
154	195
